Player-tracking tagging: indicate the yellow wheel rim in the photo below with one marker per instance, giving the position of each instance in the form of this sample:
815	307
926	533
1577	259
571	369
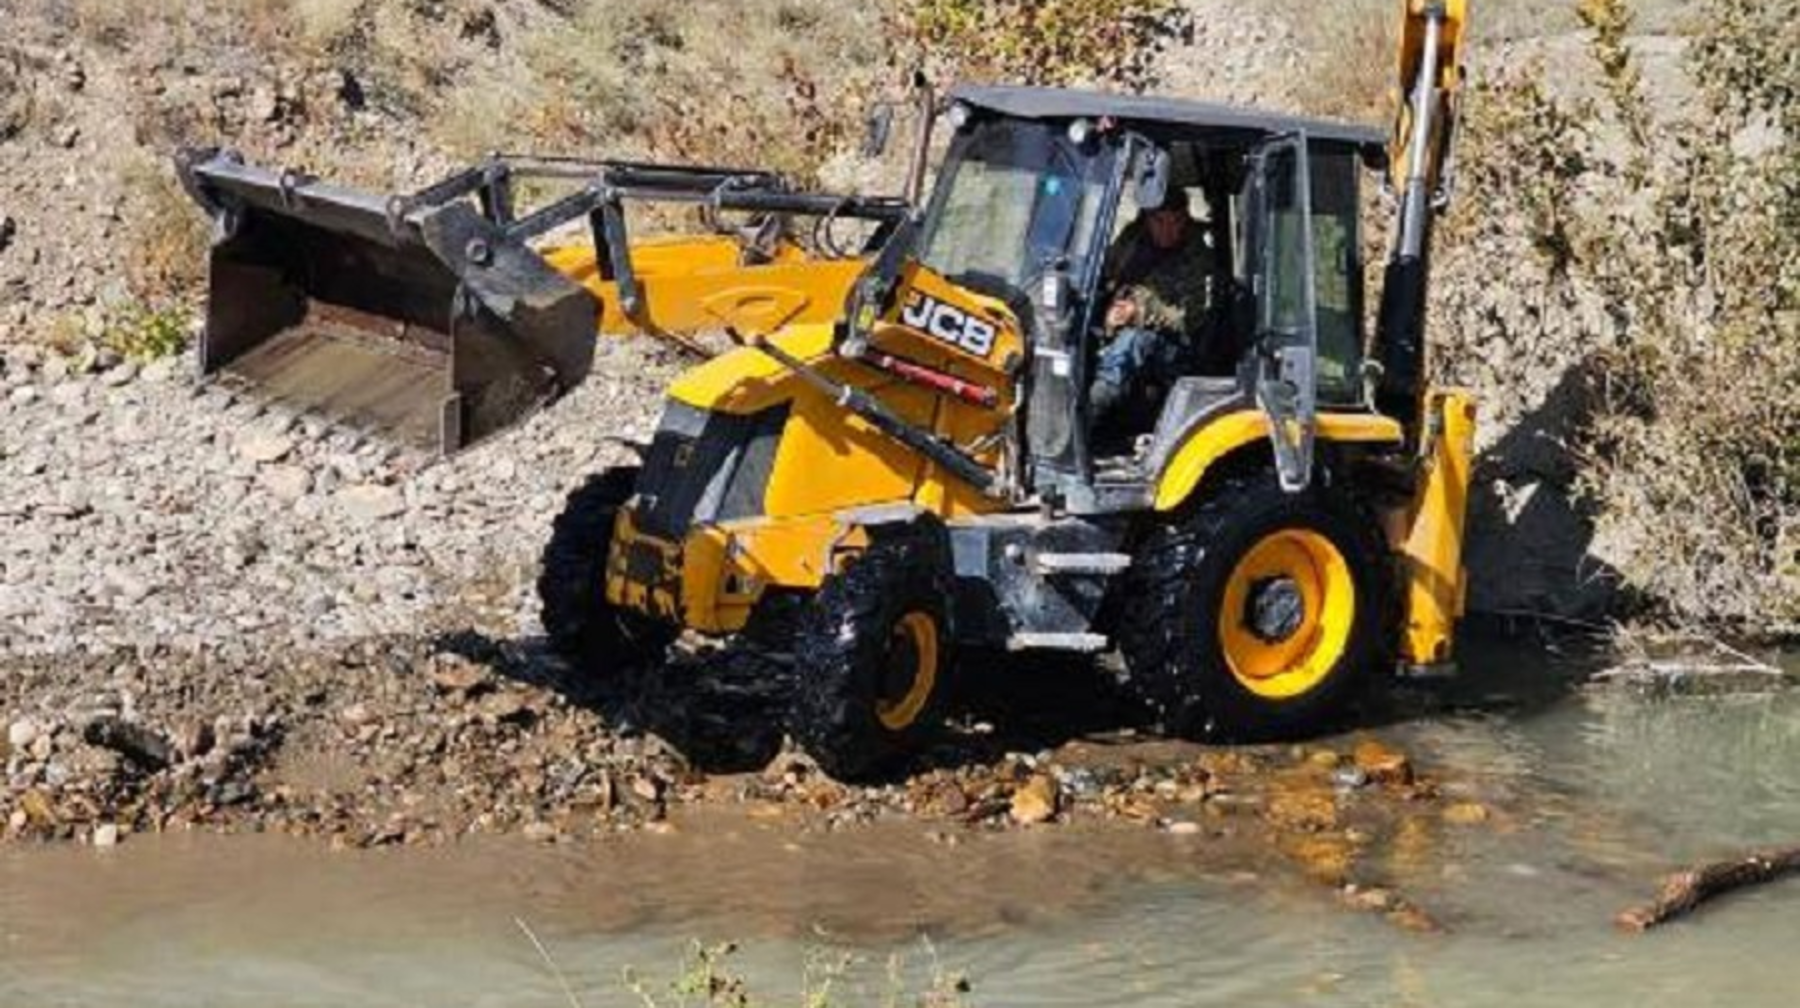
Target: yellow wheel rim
913	654
1287	614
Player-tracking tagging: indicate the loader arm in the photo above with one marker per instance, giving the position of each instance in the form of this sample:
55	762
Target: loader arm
444	316
691	285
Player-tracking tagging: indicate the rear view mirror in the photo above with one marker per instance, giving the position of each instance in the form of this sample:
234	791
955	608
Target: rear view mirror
878	129
1153	172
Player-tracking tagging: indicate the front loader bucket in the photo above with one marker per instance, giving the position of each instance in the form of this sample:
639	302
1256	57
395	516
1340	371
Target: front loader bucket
421	320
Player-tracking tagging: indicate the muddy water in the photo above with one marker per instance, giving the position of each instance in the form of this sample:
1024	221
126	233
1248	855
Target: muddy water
1596	795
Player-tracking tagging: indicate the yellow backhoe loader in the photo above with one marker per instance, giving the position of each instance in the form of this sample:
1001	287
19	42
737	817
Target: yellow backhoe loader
902	462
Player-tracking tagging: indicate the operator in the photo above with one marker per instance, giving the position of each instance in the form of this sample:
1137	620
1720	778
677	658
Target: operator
1158	272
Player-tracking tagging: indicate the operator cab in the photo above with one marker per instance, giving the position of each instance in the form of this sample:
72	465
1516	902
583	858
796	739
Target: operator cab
1041	186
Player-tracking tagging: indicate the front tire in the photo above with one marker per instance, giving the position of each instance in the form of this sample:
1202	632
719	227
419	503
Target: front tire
582	625
872	655
1259	615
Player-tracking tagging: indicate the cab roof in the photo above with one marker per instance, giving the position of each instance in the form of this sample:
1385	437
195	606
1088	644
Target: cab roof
1154	115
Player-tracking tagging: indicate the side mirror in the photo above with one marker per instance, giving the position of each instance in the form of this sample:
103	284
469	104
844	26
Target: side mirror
1152	183
878	128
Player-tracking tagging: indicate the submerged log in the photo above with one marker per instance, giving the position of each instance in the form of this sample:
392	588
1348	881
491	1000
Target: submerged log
1683	892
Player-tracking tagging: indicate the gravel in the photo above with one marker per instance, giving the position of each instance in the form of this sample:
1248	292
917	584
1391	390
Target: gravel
142	507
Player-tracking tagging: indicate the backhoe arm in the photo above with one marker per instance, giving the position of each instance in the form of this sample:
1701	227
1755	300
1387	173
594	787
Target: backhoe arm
1420	160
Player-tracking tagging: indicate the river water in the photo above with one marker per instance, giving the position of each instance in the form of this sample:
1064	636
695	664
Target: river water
1606	791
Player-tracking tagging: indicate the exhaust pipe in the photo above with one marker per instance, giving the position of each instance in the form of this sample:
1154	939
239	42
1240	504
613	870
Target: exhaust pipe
419	318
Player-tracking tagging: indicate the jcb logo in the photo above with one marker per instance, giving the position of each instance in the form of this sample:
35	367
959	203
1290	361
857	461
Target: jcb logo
948	323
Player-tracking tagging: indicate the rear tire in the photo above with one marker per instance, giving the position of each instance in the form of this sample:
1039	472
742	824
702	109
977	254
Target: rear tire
873	655
1259	614
582	625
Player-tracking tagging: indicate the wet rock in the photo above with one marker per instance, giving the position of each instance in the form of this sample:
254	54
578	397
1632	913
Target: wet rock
1382	764
1466	814
106	835
1373	899
1350	778
1035	802
1183	827
539	832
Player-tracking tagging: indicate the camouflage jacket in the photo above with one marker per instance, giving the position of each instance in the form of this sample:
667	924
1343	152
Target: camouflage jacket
1171	287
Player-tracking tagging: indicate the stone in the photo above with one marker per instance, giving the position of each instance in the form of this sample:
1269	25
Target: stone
1466	814
120	374
37	808
286	482
106	835
1323	759
369	502
130	588
194	739
1184	828
1350	778
539	832
1382	764
21	733
1036	801
455	675
262	447
505	708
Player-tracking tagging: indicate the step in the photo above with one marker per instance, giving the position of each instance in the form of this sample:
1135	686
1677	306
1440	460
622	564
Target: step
1084	643
1104	564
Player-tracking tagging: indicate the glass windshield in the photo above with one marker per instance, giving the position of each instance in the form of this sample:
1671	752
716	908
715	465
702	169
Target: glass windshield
1015	197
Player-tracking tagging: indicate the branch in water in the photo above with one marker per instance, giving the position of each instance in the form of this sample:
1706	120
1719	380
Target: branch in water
1683	892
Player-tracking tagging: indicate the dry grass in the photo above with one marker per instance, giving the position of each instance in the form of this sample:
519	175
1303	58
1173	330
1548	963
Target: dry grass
1351	47
167	240
771	83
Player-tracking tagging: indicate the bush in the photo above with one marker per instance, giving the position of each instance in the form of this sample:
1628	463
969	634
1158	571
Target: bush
1059	42
146	333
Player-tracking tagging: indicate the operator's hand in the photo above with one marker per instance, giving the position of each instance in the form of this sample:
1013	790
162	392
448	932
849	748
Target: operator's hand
1122	313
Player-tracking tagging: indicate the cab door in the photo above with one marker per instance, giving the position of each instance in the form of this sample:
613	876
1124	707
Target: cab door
1280	268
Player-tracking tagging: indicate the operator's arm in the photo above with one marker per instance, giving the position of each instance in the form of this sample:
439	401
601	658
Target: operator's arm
1174	294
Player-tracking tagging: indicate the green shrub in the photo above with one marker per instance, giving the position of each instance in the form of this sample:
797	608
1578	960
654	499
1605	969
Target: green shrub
146	333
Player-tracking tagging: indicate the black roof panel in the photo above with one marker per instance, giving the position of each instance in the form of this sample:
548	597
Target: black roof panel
1065	103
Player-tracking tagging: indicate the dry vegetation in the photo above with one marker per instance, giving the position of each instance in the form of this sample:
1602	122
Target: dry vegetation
1655	275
